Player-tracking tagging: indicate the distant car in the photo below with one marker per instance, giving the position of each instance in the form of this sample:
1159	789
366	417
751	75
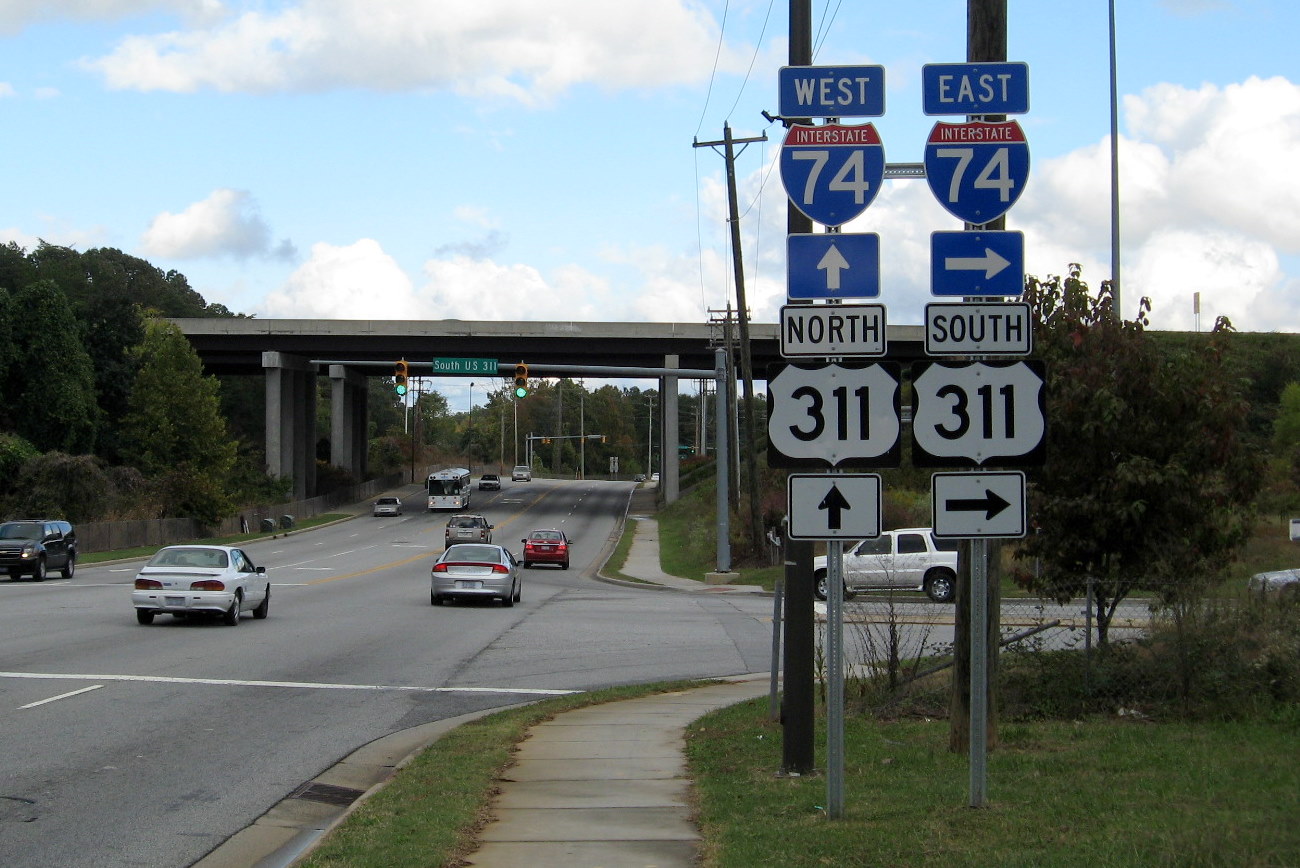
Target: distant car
654	477
640	477
388	506
546	547
467	527
909	558
201	580
489	482
35	546
1275	581
476	570
521	473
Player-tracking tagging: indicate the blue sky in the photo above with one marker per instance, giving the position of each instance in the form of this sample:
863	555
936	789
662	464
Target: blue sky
509	159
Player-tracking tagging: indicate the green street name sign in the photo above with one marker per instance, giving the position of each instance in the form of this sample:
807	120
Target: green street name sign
465	366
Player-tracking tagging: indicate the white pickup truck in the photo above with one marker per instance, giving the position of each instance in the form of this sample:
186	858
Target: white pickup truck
910	559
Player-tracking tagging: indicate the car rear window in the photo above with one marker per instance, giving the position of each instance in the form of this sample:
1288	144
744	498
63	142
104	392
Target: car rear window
474	553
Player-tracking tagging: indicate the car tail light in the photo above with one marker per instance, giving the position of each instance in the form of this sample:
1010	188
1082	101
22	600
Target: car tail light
500	568
440	568
208	585
148	585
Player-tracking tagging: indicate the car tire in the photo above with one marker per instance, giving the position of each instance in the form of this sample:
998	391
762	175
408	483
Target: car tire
263	608
38	571
434	599
528	565
15	573
231	616
564	566
509	599
519	593
143	616
941	586
819	587
70	568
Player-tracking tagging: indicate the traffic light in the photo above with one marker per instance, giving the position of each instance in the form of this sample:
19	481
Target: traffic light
400	370
521	380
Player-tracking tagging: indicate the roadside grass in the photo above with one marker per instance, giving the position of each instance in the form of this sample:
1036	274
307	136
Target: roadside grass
432	810
1096	792
236	539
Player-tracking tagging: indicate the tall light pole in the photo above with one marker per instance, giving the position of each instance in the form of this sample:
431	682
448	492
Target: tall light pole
469	431
650	440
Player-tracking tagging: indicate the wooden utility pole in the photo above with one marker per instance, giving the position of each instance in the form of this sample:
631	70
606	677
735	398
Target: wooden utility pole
798	708
755	522
986	42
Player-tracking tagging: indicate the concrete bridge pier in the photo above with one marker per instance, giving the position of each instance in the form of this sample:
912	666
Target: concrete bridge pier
291	421
349	422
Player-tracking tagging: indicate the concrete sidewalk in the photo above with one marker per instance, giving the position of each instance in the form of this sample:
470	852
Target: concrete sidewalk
605	786
643	558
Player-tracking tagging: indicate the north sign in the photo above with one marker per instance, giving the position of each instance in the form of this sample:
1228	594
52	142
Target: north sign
961	329
833	505
826	265
831	91
975	88
979	413
978	504
977	170
982	262
821	330
840	415
832	172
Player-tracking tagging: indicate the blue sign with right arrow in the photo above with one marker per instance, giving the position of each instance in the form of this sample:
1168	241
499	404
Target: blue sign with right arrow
977	263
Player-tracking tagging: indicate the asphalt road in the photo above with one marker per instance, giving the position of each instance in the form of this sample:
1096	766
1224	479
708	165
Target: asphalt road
126	745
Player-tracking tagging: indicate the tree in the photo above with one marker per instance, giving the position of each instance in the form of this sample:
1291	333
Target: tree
1150	471
173	430
48	390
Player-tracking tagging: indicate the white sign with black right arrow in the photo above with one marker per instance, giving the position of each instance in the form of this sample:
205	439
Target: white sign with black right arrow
978	504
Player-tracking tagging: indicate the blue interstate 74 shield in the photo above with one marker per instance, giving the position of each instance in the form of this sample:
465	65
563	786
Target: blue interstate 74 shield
977	170
832	172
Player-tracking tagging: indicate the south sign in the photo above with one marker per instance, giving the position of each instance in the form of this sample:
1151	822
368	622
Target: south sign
832	172
977	170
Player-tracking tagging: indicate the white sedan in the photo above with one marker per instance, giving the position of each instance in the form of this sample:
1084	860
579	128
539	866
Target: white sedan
201	580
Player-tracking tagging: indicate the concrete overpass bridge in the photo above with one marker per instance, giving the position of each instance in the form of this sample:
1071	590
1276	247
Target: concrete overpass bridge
291	354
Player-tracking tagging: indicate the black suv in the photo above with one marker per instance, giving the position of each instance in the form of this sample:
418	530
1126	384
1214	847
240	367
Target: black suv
37	545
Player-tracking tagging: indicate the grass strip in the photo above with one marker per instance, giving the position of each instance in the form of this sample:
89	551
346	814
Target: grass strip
1096	793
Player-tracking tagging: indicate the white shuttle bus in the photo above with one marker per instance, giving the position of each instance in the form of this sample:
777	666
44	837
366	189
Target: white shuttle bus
449	489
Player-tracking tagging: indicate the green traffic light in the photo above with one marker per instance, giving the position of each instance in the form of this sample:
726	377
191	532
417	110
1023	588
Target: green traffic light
401	390
521	392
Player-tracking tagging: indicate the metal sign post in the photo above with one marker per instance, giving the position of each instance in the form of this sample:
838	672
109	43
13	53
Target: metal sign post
835	679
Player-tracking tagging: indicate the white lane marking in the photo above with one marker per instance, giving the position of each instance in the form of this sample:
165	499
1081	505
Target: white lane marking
316	685
60	696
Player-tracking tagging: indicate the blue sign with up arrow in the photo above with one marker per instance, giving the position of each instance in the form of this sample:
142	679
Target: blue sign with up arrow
977	263
832	265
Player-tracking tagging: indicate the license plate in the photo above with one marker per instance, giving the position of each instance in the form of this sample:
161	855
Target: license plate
467	585
174	601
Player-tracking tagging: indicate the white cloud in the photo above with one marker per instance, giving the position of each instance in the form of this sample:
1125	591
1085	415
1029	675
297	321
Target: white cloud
227	223
6	89
15	15
1208	203
359	281
518	50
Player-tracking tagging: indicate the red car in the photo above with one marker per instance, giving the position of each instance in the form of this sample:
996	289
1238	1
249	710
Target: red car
546	547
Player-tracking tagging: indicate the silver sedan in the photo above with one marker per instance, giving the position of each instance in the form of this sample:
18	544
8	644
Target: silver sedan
201	580
476	570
